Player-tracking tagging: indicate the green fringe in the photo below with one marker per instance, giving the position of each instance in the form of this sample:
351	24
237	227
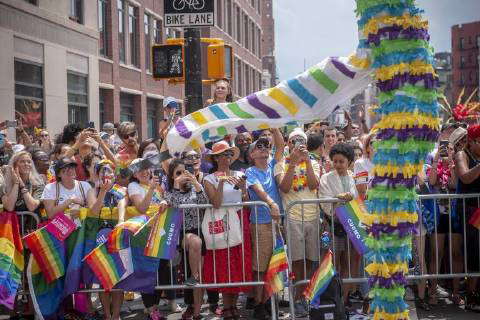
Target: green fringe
364	5
398	46
420	93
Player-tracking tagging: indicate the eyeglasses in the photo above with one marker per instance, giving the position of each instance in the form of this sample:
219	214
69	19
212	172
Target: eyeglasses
192	157
129	135
262	146
227	153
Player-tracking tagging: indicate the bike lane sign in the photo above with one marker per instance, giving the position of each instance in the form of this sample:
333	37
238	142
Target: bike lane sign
189	13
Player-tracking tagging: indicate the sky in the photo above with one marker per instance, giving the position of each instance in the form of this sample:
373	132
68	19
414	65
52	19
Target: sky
308	31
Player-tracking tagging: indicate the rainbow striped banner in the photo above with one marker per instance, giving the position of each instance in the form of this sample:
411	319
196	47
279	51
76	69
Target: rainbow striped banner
108	267
49	252
311	95
11	258
119	238
163	238
320	280
350	216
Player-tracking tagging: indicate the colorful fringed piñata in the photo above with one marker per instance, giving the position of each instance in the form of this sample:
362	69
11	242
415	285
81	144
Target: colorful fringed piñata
394	42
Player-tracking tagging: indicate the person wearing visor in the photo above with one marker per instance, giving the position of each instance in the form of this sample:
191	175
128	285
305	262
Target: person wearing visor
262	186
66	192
107	195
298	177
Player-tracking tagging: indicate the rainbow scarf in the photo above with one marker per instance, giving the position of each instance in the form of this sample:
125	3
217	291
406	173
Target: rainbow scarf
278	264
49	252
119	238
118	191
163	238
109	268
320	280
11	258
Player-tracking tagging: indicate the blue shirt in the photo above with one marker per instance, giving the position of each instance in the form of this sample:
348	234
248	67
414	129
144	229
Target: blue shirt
266	179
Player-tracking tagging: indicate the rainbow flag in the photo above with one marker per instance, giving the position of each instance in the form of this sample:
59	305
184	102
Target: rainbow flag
351	216
11	258
109	268
49	252
119	191
278	263
163	238
320	280
475	219
119	238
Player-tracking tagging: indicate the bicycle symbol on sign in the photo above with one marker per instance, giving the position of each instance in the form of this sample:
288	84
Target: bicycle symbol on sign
192	4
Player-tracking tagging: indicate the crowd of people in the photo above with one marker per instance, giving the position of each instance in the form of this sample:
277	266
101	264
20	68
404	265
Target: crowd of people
78	168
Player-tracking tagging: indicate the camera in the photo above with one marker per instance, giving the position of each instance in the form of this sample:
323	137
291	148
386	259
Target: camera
189	168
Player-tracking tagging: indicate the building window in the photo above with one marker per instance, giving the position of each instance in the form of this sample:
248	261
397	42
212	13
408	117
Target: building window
247	80
239	78
462	79
29	93
157	31
153	105
246	42
478	41
77	90
148	40
219	14
133	35
121	29
462	43
76	9
259	42
101	106
252	37
34	2
102	28
238	15
462	61
127	107
229	17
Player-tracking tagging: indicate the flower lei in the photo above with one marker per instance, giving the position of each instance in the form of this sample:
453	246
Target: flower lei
443	175
299	182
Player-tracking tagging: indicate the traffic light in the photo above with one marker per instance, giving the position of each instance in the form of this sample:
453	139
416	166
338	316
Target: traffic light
168	62
220	61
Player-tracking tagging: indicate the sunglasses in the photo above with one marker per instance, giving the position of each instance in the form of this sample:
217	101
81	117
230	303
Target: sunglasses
192	157
129	135
228	153
262	146
178	173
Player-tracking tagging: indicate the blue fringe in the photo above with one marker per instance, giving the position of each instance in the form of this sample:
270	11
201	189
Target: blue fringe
394	58
403	103
380	206
373	12
391	307
394	157
390	255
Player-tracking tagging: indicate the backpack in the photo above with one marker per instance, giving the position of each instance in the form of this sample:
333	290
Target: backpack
331	303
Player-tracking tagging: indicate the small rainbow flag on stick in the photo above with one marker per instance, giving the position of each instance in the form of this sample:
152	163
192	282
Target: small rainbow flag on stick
475	219
278	264
108	267
320	280
163	238
49	252
351	216
119	238
11	258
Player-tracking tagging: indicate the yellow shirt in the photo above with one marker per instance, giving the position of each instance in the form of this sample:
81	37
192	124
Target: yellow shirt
310	211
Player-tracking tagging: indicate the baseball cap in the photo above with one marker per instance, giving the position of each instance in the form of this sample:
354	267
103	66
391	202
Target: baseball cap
297	132
170	102
108	126
63	163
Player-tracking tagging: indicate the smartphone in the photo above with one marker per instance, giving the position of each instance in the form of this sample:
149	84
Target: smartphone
189	168
11	123
91	125
443	148
157	172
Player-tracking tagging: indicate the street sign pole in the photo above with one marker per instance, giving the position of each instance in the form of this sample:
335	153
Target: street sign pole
193	70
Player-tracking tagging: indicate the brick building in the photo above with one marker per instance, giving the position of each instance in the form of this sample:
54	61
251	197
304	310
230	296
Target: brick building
89	60
268	45
465	58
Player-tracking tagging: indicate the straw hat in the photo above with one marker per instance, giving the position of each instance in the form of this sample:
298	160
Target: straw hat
457	135
221	147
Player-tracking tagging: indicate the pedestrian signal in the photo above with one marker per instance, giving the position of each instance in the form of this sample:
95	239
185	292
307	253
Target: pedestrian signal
168	61
220	61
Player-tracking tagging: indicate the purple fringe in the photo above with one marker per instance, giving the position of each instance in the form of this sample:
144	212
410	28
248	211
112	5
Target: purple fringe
430	82
394	182
403	229
396	279
396	32
423	133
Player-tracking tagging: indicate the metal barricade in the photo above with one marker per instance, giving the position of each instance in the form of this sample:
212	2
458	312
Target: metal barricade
450	225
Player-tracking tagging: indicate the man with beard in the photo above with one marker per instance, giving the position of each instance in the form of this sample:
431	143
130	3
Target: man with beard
127	152
242	141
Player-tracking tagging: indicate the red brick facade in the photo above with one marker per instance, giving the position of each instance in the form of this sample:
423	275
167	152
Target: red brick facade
465	58
116	78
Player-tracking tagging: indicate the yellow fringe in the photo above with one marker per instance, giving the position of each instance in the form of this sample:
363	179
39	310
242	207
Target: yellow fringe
381	315
386	269
402	120
408	170
393	218
361	63
416	67
406	21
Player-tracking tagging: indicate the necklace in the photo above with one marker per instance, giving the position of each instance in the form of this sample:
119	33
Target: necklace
299	182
